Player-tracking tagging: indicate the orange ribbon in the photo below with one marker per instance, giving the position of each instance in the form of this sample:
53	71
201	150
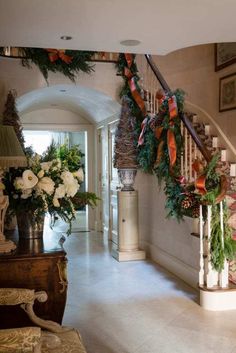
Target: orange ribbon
197	166
129	59
200	184
55	54
172	148
173	109
132	85
159	152
143	129
158	132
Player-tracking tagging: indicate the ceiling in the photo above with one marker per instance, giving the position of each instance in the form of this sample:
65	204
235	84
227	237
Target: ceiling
89	104
160	26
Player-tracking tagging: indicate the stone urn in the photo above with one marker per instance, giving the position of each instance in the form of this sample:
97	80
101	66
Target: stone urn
127	177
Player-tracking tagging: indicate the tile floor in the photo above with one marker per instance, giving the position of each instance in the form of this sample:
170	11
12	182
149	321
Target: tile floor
137	307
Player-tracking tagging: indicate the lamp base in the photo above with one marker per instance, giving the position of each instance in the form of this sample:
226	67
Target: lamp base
6	246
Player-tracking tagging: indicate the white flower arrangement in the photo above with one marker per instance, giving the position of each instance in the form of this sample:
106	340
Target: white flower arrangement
44	187
50	183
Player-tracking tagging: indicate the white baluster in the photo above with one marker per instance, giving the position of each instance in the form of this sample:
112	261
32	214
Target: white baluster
195	157
186	153
182	157
224	282
201	272
212	275
190	159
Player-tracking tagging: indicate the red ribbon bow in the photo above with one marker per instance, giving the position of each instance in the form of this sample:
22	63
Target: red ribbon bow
55	54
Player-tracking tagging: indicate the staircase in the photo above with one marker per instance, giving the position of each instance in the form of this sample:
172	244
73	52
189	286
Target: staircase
202	140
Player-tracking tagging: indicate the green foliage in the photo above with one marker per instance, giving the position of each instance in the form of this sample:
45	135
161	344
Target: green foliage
174	198
162	120
147	152
82	199
125	90
220	251
212	181
70	156
50	153
40	57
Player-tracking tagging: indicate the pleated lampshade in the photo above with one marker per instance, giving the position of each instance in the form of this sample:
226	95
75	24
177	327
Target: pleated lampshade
11	153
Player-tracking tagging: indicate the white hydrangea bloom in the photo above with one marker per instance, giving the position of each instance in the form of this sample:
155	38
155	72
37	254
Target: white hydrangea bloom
72	188
79	174
40	174
67	177
60	191
56	202
46	166
46	184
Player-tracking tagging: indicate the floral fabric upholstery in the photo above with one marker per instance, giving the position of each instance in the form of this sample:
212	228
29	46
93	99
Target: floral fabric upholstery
15	296
20	340
70	343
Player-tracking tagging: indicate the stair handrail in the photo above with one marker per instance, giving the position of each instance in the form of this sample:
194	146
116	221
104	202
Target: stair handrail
187	123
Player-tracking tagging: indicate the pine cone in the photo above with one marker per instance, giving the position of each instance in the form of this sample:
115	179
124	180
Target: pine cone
187	202
195	212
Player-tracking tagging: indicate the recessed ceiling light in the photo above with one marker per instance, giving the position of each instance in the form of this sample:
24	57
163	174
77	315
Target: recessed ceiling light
130	42
66	37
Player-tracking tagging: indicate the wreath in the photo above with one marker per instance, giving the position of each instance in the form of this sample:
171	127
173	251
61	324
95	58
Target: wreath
68	62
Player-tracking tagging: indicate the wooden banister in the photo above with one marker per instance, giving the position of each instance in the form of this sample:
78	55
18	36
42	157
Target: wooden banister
187	123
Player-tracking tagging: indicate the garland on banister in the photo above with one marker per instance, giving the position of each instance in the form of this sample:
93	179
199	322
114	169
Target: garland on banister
67	62
127	68
159	144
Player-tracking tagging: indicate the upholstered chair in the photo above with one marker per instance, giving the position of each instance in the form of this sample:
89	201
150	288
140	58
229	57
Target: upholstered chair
46	337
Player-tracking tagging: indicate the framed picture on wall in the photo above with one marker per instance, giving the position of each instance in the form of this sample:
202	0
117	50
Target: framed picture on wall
227	96
225	55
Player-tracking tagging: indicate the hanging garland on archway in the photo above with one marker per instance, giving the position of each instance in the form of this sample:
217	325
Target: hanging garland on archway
67	62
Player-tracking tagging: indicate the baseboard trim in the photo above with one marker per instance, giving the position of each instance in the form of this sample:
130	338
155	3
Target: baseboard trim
187	273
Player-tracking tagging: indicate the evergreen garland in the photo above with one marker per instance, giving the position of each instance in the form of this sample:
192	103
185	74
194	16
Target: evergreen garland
153	157
125	90
78	61
146	154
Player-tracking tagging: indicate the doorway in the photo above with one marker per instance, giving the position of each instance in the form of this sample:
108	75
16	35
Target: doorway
39	141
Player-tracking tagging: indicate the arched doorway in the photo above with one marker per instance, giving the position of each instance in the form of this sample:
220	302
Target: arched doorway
71	109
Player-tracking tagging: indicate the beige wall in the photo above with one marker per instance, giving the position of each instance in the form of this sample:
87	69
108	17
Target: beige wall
193	70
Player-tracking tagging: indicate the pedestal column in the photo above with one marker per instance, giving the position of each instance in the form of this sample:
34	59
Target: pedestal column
128	248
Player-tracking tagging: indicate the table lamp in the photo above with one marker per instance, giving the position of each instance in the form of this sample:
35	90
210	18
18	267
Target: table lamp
11	155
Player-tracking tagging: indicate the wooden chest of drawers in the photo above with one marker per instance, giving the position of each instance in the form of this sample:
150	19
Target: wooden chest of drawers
40	265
